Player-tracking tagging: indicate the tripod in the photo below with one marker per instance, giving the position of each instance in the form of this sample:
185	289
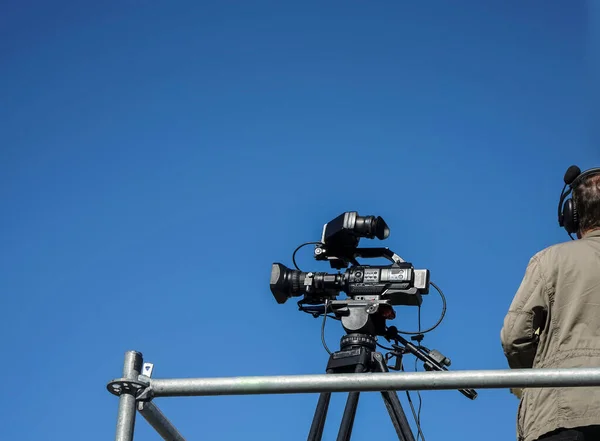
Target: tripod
358	354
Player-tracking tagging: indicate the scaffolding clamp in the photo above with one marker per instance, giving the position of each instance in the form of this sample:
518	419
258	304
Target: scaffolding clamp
141	388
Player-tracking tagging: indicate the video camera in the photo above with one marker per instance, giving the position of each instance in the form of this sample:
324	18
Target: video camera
372	290
396	284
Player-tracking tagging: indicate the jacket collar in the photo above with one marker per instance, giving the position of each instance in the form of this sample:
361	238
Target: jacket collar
593	233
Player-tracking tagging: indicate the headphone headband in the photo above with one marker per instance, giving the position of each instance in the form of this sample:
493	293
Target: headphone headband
582	176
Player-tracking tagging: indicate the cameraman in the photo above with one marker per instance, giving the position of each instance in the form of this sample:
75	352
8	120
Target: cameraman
554	321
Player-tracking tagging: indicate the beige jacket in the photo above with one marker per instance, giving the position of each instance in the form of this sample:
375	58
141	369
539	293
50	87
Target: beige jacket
560	295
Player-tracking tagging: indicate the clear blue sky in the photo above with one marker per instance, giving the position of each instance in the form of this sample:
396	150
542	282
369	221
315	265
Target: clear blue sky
157	157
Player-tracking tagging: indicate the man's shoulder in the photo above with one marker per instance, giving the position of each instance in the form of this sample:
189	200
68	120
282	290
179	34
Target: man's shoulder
561	247
553	253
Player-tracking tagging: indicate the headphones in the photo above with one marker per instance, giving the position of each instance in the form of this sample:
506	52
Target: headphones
568	217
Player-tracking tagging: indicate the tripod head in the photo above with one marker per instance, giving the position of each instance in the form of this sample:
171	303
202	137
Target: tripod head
361	315
366	317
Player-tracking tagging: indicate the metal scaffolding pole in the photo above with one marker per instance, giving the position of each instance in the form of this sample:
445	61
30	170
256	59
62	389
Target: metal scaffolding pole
161	424
370	382
137	389
127	397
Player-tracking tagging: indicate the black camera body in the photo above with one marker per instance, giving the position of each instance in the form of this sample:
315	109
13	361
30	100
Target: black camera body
396	284
399	283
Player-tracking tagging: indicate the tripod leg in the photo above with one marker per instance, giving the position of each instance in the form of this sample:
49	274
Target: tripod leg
394	407
347	423
318	423
348	418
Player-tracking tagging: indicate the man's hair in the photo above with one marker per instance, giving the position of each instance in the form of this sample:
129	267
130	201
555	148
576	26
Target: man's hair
586	197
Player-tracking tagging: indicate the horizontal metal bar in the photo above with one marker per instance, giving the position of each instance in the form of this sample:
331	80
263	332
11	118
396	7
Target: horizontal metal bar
157	419
490	379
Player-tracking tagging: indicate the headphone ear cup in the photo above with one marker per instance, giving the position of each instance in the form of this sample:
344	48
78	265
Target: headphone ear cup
570	217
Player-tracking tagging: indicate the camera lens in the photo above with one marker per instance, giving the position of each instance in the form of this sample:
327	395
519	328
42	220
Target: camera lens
285	283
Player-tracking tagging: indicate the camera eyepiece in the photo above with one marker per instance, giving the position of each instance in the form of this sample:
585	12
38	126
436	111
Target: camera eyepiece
345	231
371	226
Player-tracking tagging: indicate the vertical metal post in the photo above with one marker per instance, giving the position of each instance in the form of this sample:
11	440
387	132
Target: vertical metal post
127	399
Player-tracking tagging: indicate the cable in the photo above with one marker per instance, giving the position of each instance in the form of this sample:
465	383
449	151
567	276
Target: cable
297	249
416	415
323	328
384	347
439	320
